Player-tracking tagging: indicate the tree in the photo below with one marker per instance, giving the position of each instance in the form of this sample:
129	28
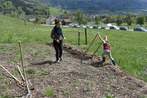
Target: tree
65	13
140	20
107	20
48	12
129	20
7	5
80	18
20	12
119	21
97	20
45	11
84	21
145	18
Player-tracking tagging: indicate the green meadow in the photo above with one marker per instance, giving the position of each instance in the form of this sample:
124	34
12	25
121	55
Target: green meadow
128	48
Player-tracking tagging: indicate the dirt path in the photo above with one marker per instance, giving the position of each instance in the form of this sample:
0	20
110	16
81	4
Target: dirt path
69	78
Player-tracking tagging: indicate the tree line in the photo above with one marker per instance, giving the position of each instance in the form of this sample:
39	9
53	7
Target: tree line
129	19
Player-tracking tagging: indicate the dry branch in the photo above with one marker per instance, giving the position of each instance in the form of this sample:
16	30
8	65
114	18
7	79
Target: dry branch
29	95
20	72
16	79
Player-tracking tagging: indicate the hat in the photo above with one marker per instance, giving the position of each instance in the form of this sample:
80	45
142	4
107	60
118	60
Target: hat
57	21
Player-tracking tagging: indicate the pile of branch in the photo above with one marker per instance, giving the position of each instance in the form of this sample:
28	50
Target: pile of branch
23	82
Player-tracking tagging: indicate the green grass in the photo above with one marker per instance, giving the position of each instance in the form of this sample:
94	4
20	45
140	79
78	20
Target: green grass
30	71
128	48
5	97
49	92
13	30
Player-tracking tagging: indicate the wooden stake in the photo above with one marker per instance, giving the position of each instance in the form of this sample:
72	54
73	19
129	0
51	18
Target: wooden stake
79	38
89	47
86	42
96	50
91	43
21	58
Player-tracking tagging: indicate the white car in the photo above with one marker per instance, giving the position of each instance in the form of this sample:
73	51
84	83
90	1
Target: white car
140	29
83	26
89	26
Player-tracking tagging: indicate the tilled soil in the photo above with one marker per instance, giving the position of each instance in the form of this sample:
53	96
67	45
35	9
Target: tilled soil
67	79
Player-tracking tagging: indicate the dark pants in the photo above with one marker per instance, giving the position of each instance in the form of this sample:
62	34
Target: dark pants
58	48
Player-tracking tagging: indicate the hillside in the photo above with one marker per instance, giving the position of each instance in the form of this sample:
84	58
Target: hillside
96	6
29	7
87	6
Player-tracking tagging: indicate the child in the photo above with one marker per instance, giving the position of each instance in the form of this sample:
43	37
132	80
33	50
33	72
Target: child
106	49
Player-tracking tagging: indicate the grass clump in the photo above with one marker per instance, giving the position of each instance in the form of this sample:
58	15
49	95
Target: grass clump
30	71
49	92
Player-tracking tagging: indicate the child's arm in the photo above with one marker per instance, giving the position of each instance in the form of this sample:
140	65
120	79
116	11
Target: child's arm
101	38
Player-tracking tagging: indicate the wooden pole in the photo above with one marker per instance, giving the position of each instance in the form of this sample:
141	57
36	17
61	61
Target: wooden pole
91	42
96	50
86	42
89	47
79	34
21	58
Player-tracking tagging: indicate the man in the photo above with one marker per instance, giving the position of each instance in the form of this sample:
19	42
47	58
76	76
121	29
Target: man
57	36
106	49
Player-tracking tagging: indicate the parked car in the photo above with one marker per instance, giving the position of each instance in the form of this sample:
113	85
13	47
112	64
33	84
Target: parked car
76	26
90	26
95	27
83	26
71	25
101	27
113	27
124	28
140	29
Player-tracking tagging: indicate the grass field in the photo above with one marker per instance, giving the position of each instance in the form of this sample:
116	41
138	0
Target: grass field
128	48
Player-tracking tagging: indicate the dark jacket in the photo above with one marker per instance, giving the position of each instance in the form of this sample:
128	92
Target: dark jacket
57	33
